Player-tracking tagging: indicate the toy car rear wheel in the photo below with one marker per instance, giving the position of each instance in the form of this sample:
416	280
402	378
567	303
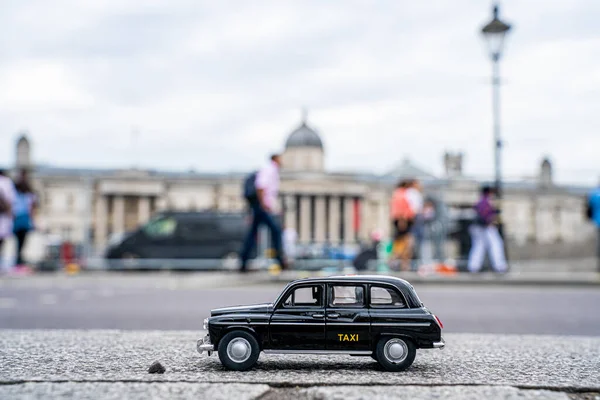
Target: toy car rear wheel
395	354
238	351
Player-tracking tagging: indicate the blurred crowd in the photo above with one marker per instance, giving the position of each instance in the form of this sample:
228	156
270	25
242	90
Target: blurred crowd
418	232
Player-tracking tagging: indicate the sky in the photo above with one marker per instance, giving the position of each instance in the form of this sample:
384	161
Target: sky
218	85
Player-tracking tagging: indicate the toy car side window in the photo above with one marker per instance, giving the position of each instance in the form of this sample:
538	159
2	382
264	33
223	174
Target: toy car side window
386	297
347	296
305	296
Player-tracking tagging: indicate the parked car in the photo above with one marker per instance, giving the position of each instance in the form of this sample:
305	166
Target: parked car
181	236
377	316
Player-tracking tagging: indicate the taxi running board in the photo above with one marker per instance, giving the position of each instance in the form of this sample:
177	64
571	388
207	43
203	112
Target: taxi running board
358	352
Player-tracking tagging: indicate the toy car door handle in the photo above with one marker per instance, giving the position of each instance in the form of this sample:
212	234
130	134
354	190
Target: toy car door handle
318	315
333	315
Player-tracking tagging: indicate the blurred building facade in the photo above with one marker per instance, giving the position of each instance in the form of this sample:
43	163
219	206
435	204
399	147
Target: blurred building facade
321	205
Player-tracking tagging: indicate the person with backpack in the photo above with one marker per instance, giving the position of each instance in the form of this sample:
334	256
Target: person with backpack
260	191
593	214
23	208
7	197
485	235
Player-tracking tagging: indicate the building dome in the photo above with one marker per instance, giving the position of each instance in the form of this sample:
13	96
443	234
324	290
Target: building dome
304	136
303	149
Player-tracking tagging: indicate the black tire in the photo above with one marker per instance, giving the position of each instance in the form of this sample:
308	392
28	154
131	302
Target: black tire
245	361
398	358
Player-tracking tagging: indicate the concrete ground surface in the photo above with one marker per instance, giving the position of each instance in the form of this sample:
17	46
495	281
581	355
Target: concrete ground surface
560	361
106	364
182	301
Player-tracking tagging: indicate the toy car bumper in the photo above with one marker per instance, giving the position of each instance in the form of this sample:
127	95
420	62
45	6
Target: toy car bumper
439	345
205	345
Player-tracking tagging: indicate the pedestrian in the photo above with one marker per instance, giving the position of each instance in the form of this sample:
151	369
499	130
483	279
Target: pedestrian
7	198
24	206
402	216
593	207
414	194
485	236
261	192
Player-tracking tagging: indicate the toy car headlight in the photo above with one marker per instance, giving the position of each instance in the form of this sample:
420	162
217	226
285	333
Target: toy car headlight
205	324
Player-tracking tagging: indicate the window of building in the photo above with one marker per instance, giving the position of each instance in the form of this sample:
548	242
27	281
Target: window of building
306	296
347	296
70	202
65	233
386	297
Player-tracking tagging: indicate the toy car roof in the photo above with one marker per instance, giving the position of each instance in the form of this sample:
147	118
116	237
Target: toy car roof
359	278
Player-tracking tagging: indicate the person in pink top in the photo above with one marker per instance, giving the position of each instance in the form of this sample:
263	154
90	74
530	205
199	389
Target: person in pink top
264	208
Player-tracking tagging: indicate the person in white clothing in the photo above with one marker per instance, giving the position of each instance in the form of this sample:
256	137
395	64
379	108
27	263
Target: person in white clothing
485	235
7	198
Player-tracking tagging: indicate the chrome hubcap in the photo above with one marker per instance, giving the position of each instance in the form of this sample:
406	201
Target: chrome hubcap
239	350
395	350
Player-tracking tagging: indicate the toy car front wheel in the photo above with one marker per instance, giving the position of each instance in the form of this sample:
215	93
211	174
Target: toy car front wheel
238	351
395	354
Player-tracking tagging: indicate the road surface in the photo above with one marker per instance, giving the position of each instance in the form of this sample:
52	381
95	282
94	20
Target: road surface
182	301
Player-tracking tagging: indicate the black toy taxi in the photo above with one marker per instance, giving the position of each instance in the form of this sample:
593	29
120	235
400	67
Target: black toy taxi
377	316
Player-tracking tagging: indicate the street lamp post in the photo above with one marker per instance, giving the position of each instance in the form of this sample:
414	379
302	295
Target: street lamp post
494	33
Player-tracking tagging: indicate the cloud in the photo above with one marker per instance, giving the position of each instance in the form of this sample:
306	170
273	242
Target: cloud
219	85
40	86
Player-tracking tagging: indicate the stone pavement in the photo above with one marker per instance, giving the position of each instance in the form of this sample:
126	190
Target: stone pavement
113	364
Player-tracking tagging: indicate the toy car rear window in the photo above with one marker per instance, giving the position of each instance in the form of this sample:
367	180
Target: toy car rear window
386	297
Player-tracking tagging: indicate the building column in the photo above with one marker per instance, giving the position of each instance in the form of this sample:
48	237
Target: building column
304	233
118	214
365	219
349	220
320	219
334	220
143	210
383	217
313	218
290	212
100	222
162	202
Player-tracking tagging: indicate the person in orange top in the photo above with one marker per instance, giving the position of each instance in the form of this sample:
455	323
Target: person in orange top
402	216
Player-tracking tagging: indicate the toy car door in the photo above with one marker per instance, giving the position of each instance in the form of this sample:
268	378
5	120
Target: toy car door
298	321
347	318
